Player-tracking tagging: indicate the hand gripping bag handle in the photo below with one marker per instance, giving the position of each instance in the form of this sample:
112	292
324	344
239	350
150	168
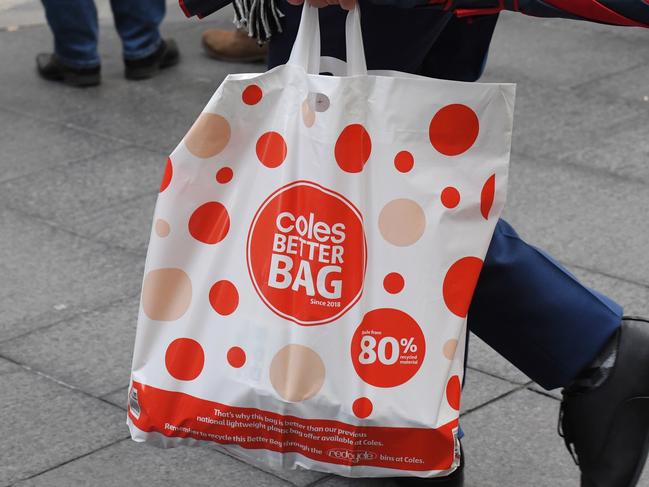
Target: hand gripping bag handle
306	50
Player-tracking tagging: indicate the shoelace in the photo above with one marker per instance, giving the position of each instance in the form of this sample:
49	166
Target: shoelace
565	434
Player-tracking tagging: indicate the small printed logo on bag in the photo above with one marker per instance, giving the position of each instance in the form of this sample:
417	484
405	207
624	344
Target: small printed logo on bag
351	456
307	253
133	403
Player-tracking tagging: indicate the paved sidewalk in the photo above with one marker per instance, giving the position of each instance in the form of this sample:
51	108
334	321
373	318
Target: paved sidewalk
79	174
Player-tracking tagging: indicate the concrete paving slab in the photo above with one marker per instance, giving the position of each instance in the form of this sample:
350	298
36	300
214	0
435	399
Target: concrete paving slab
92	351
335	481
624	153
49	274
480	388
119	397
129	463
45	424
592	220
568	55
32	145
126	225
514	442
72	195
630	84
485	359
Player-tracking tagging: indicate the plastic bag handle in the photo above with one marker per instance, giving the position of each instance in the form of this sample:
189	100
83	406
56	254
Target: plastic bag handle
306	49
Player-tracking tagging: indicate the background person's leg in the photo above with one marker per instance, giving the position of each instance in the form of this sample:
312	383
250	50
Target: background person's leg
74	25
536	314
138	23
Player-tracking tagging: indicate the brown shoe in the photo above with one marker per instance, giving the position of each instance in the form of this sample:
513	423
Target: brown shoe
233	46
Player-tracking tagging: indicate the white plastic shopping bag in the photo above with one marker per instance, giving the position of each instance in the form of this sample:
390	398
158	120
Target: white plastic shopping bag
316	244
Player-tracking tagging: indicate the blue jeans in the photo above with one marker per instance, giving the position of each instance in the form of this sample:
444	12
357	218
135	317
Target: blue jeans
75	27
526	305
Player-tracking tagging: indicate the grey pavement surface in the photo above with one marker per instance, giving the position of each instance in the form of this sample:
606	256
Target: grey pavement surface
79	173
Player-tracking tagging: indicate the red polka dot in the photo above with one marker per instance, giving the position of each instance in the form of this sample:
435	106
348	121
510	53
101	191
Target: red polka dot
454	392
236	357
450	197
362	407
393	283
404	161
271	149
454	129
353	148
166	177
459	284
252	95
224	297
184	359
224	175
209	223
487	196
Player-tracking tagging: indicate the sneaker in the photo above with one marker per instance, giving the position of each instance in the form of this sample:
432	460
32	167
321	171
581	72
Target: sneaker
51	68
165	56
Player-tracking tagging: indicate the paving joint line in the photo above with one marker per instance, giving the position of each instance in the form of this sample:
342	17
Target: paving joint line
543	393
72	460
607	274
64	229
498	398
321	480
56	381
491	374
72	317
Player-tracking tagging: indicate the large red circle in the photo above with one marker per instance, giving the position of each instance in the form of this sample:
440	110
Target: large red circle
459	283
450	197
224	297
454	129
387	348
209	223
307	253
454	392
271	149
353	148
362	407
184	359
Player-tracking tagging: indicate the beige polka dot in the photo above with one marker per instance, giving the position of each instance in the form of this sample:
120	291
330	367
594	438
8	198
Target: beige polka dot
402	222
449	348
166	294
297	372
208	136
162	227
308	115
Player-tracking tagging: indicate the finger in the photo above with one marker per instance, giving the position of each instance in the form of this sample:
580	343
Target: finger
319	3
348	4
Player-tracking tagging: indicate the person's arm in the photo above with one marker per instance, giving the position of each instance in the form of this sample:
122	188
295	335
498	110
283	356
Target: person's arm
615	12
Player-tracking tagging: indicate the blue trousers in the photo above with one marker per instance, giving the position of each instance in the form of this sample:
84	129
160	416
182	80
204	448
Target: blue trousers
75	28
526	306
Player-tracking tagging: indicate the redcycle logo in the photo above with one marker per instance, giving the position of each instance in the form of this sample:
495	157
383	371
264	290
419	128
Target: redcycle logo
351	456
307	253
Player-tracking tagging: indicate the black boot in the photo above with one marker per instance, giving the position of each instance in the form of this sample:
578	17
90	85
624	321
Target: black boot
606	428
165	56
51	68
456	479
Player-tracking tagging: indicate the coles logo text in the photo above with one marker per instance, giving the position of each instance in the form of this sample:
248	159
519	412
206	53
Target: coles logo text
307	253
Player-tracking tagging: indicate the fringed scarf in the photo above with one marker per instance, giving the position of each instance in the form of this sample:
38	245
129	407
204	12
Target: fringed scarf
259	17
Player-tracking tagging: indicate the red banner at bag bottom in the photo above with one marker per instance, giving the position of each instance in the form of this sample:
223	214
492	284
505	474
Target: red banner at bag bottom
175	414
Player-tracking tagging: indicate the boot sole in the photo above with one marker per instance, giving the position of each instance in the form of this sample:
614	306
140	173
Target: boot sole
150	71
643	459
